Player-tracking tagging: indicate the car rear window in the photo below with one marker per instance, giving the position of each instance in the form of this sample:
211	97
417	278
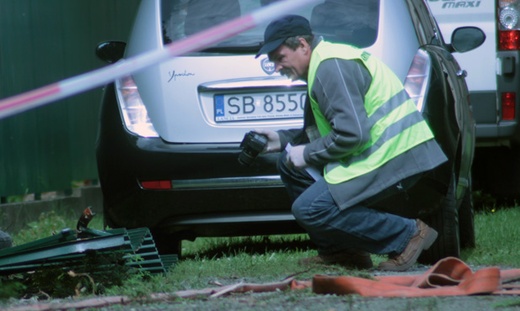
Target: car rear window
354	21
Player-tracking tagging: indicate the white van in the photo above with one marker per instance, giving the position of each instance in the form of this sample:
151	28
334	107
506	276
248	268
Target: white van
493	72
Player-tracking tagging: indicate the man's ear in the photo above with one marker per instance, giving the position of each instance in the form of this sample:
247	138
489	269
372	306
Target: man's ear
304	45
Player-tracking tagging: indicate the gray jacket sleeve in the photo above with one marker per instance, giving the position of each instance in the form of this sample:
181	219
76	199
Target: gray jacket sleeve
339	88
287	136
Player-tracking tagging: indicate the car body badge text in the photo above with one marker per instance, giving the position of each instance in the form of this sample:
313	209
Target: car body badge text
173	75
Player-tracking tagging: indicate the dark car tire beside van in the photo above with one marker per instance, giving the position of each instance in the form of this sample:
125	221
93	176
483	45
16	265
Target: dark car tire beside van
446	222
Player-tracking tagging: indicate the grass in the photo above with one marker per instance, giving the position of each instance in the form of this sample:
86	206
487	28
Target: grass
49	224
497	233
212	261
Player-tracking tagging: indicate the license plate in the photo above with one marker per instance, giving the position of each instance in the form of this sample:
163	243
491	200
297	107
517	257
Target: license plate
259	106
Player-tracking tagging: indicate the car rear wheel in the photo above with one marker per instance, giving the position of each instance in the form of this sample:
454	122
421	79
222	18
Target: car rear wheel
446	222
167	244
466	220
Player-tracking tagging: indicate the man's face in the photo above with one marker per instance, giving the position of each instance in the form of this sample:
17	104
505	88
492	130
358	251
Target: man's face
292	63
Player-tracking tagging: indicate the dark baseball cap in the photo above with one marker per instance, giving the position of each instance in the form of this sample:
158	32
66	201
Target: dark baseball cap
281	29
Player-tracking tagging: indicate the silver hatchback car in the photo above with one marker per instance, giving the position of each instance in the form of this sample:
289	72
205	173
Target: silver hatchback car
169	135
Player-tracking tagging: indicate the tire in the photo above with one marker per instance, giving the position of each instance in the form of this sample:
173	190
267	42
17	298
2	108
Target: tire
167	244
466	220
446	222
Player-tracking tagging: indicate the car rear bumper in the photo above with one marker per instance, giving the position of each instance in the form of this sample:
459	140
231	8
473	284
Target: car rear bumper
208	191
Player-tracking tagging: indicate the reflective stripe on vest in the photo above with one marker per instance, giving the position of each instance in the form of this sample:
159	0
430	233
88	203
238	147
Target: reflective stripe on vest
396	124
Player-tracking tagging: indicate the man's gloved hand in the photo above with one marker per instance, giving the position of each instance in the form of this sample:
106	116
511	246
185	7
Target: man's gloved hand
295	156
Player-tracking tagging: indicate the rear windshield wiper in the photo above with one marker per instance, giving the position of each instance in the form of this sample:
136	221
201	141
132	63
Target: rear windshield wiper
250	49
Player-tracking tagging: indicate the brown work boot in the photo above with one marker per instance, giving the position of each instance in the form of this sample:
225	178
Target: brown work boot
348	259
422	240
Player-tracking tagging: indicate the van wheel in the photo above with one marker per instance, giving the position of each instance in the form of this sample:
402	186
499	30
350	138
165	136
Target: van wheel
446	222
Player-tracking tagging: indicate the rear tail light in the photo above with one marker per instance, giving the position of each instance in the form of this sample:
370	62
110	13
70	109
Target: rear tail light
156	184
508	25
509	40
508	106
418	78
133	110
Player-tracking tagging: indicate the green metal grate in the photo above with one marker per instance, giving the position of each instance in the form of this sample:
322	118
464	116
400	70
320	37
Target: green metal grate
70	247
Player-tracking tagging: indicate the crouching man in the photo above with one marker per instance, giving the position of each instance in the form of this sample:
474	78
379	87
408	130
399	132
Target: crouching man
363	132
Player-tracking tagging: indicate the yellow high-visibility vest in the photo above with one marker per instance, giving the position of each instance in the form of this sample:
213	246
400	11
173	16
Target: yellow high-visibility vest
396	124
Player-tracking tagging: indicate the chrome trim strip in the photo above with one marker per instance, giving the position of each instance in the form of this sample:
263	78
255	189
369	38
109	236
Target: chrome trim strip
259	83
271	181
